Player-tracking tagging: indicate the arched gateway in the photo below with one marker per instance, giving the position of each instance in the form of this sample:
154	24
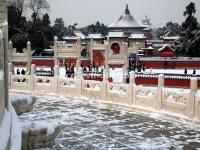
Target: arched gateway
67	54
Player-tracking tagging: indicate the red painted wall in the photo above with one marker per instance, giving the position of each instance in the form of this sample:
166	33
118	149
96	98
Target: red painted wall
168	82
44	63
85	63
98	57
146	81
161	64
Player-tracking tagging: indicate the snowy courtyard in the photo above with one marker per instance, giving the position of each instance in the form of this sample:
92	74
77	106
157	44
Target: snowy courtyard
90	125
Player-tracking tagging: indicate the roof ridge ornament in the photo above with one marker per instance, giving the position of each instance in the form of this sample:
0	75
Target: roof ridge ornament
127	12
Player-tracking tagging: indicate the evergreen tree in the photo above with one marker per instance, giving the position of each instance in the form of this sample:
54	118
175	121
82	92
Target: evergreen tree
170	26
188	45
59	28
95	28
46	27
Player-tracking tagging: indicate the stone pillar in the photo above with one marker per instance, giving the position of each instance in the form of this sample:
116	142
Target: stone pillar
32	77
161	81
33	69
191	102
55	49
56	71
108	40
91	50
55	79
132	78
104	84
105	75
106	57
79	79
28	70
2	74
10	50
5	37
10	68
125	67
10	72
78	61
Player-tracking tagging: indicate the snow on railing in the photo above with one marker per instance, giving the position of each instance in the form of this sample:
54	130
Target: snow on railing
168	76
93	75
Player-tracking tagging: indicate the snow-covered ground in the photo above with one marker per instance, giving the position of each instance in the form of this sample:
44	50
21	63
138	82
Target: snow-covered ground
91	125
116	74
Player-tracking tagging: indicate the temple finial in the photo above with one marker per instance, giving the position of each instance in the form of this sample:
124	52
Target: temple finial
127	12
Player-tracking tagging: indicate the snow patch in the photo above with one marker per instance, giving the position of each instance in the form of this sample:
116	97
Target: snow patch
5	130
1	75
16	132
17	97
39	125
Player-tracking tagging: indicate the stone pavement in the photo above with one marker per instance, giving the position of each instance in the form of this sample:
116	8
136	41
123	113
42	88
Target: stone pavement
90	125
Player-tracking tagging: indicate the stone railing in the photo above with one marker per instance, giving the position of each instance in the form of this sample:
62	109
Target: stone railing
167	76
62	50
183	103
17	57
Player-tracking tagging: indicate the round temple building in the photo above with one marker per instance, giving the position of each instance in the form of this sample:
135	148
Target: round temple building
126	23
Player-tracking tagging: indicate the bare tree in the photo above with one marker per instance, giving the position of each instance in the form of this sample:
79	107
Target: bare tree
37	6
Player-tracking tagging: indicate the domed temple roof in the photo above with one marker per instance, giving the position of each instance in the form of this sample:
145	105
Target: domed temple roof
126	21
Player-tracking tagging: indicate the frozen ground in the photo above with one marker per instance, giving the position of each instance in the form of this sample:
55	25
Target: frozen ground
91	125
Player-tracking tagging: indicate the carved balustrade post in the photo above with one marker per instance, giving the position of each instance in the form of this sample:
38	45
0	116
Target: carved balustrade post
79	78
55	80
55	49
28	57
10	50
78	60
32	77
10	72
125	67
104	85
161	80
191	103
91	50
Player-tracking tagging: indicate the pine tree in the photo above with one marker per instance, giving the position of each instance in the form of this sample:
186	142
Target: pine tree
190	28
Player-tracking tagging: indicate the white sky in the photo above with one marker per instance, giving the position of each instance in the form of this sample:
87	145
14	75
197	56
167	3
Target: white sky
85	12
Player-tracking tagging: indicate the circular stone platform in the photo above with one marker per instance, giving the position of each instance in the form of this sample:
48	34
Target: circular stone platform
90	125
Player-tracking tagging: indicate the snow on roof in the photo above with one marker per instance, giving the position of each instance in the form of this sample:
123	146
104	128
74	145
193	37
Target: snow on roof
140	50
70	38
150	47
95	36
137	36
166	46
116	34
171	38
126	21
76	35
80	34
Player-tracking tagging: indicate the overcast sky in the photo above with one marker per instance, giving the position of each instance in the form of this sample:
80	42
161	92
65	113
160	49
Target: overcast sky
85	12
